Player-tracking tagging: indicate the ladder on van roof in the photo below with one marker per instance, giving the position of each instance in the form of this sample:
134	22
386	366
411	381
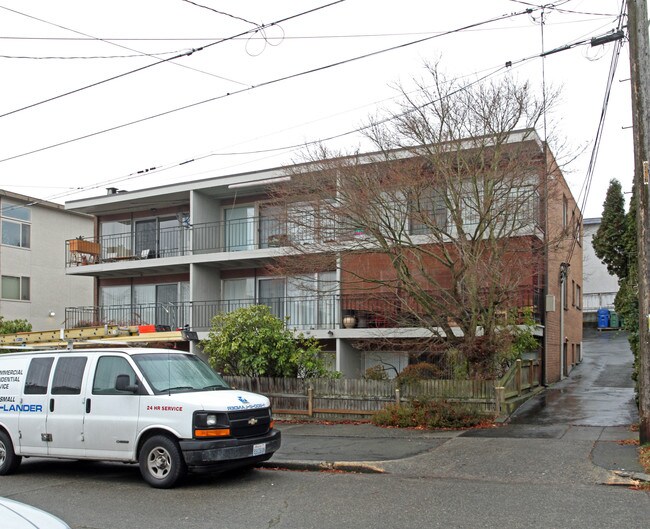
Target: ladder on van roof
93	336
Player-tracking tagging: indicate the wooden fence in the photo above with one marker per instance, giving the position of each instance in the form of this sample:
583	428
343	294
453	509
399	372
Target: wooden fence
326	398
359	397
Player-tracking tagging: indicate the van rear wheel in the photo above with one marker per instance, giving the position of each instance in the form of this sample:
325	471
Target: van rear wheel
161	462
9	461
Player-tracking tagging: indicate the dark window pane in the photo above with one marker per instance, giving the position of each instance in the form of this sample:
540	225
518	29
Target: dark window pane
10	287
10	233
24	289
26	237
68	375
37	376
16	211
106	373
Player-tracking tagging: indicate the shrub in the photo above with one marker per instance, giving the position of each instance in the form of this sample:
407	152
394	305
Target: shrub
13	326
430	414
251	341
376	373
419	371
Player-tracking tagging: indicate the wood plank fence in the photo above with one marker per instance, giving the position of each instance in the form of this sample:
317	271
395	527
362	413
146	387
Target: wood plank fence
355	398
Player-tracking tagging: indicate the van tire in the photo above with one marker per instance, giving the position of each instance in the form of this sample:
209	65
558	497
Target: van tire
9	461
161	462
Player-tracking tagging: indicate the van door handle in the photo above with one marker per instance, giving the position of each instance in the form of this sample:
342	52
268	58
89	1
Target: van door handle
87	405
51	404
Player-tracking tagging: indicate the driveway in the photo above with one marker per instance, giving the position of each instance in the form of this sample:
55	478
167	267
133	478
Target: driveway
595	404
598	392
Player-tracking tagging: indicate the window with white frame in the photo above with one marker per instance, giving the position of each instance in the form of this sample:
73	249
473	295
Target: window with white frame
16	288
16	224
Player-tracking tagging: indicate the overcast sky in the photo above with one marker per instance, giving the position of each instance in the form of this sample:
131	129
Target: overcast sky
49	48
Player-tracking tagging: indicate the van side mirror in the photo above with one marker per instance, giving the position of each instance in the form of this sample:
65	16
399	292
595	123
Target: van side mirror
122	383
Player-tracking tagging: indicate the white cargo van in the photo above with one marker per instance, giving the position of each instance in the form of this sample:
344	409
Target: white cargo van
164	409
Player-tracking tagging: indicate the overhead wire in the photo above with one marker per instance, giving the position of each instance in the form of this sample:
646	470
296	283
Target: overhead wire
137	174
586	186
269	82
144	54
183	54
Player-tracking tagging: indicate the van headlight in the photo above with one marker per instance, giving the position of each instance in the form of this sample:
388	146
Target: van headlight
208	424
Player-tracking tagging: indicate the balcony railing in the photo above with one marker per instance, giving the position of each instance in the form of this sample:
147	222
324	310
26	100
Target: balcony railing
225	236
327	311
235	235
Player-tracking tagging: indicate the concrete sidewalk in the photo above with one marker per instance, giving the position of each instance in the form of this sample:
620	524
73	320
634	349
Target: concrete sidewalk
576	431
566	453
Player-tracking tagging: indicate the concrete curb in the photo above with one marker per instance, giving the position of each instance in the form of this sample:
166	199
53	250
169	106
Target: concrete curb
636	476
323	466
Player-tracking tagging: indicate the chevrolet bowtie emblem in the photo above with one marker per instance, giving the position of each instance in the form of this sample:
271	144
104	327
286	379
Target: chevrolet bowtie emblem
252	421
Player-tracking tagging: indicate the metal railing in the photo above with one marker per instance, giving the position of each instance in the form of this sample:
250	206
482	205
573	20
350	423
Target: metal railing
224	236
234	235
324	311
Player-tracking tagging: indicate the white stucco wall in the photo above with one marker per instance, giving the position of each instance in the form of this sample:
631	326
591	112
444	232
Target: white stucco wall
44	263
597	282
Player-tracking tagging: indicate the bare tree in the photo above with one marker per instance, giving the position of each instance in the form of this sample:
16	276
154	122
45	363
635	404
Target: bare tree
442	223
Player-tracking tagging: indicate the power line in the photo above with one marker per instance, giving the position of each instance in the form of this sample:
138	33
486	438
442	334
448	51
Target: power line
91	37
586	186
184	54
491	72
272	81
74	57
220	12
159	169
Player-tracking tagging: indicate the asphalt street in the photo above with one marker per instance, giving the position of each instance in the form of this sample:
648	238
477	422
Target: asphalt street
534	471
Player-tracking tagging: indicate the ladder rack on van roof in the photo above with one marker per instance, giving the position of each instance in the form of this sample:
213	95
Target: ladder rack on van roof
91	336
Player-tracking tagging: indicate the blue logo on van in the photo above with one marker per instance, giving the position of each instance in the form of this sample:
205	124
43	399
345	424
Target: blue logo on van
242	400
33	408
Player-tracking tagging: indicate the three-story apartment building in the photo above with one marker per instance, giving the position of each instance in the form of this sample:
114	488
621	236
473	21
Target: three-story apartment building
176	255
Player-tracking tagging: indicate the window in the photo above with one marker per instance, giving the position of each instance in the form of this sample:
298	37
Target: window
116	239
108	368
38	375
578	297
573	293
429	212
240	228
15	232
17	288
68	375
565	291
565	212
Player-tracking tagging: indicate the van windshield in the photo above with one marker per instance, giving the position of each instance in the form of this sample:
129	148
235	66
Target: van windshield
178	373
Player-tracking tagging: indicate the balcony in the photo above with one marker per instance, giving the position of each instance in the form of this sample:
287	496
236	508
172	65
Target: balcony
213	237
315	312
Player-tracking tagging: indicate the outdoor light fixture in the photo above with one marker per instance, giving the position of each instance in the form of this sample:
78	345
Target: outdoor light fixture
51	314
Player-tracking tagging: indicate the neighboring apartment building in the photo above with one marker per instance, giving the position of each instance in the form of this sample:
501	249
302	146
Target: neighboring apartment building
34	284
600	287
178	254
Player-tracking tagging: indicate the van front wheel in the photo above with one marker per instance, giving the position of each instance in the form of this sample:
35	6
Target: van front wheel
9	461
161	462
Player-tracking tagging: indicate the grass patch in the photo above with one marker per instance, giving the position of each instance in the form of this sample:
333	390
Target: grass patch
431	414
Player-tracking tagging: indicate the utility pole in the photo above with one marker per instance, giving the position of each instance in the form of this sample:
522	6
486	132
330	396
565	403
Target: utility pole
640	76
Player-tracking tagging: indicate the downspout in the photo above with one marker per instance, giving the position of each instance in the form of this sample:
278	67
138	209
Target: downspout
564	272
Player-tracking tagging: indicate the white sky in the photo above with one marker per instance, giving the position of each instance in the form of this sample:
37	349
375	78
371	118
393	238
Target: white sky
306	108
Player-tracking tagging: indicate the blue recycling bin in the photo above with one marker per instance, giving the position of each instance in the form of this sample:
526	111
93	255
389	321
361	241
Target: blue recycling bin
603	318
